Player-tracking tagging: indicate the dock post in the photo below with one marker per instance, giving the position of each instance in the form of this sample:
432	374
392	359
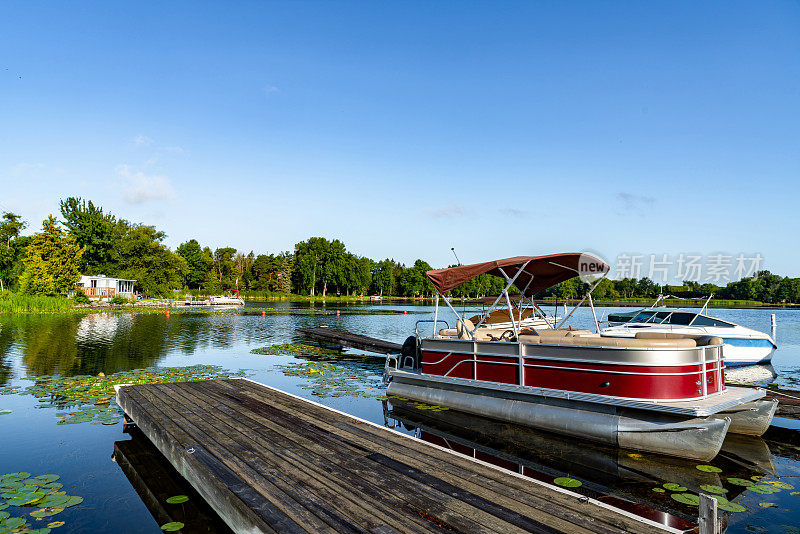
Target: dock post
709	523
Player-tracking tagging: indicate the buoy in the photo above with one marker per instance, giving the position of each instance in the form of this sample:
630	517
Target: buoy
405	312
337	313
263	313
167	313
774	324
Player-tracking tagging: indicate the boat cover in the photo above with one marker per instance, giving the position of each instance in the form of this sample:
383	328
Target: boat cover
540	273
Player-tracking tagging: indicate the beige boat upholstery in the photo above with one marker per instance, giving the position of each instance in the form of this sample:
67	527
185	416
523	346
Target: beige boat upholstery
701	340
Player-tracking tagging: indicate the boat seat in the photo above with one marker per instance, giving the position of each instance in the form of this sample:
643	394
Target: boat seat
561	332
597	341
702	340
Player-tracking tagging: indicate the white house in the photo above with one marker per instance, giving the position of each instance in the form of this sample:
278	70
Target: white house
105	287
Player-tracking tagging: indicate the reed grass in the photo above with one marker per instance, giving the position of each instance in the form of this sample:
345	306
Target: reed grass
17	303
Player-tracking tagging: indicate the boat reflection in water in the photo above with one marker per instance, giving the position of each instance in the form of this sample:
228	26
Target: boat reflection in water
621	478
155	480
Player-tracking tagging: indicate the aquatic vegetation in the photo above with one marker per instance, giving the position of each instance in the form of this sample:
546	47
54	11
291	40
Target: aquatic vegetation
710	488
173	526
568	482
331	380
729	506
21	490
741	482
687	498
763	489
177	499
659	490
779	484
708	468
295	349
767	504
672	486
94	396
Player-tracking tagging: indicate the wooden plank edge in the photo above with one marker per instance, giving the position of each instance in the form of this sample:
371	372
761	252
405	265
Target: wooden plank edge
649	522
236	514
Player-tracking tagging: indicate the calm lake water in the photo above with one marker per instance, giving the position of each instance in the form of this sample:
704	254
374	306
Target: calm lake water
122	480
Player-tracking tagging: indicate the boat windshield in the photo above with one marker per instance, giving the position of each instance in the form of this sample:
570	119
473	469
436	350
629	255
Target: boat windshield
705	320
664	317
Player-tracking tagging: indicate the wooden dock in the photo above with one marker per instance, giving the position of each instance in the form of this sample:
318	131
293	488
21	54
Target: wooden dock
267	461
347	339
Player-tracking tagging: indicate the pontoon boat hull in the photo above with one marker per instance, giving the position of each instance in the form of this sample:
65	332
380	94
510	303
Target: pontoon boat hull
698	438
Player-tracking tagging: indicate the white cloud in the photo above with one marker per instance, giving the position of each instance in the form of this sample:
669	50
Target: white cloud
269	89
636	203
139	187
449	211
142	140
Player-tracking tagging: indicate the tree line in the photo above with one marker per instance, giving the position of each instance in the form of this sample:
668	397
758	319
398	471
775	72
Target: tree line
88	240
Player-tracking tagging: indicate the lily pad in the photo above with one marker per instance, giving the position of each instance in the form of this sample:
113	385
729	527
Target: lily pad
177	499
174	526
659	490
26	498
55	524
45	479
767	504
686	498
672	486
710	488
764	489
741	482
568	482
4	516
10	477
779	484
14	522
708	468
731	506
73	501
54	501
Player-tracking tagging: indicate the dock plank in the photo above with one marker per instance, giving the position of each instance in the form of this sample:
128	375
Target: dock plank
267	461
342	338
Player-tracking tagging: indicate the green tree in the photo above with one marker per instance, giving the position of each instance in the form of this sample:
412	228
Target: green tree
413	282
11	248
141	255
51	262
318	262
225	267
198	262
93	230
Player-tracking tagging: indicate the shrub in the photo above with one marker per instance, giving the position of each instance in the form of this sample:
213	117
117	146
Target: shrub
81	298
118	299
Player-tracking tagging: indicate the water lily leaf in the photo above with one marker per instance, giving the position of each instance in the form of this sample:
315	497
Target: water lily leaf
767	504
672	486
174	526
779	484
764	489
659	490
686	498
710	488
54	501
4	516
795	493
14	476
708	468
14	522
731	507
45	479
26	498
3	506
73	501
741	482
177	499
55	524
39	531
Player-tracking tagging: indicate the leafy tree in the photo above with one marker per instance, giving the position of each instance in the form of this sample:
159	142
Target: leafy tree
318	262
413	282
93	230
383	279
198	262
225	267
51	262
12	248
141	255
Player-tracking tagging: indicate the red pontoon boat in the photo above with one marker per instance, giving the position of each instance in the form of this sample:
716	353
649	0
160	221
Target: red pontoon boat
662	393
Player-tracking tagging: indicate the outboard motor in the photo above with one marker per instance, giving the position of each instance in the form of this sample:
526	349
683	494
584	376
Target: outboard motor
409	354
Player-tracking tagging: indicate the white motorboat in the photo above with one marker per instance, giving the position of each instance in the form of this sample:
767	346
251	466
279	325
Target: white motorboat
231	299
741	345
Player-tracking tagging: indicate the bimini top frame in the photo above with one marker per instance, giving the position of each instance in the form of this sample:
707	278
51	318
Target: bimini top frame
528	274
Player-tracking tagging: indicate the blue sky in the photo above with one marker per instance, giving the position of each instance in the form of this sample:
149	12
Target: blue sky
405	129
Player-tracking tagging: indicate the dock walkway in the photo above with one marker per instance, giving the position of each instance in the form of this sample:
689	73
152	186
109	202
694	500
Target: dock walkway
267	461
347	339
